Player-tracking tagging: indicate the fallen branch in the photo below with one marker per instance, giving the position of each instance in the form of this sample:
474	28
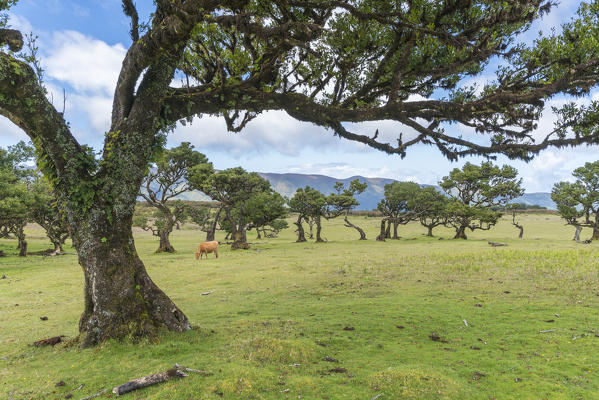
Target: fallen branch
496	244
49	342
547	331
207	293
94	395
194	371
148	381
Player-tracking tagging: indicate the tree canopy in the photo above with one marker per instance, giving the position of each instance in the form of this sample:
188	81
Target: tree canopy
232	188
578	202
474	190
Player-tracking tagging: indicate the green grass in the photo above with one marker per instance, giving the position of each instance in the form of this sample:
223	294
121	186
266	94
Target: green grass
282	303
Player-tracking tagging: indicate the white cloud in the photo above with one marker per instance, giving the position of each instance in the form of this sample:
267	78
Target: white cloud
272	131
85	63
10	133
20	23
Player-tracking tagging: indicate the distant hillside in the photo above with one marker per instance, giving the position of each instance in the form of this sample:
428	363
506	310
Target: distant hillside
287	184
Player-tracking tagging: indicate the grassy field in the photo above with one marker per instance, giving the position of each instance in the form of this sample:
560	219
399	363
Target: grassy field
416	318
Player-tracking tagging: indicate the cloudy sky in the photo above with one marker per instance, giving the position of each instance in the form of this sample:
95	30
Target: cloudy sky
82	44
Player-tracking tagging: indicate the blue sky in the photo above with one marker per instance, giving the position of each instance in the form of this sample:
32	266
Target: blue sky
82	44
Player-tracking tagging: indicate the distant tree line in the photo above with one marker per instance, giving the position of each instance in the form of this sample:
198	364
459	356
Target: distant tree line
474	198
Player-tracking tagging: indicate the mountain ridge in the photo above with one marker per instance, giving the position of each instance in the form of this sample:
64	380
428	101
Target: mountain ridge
287	183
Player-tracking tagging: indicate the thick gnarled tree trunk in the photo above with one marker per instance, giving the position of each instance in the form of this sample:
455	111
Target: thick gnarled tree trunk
461	233
121	300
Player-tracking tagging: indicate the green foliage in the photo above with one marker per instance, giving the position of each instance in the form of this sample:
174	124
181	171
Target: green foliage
344	200
399	203
474	190
16	199
45	212
5	5
266	209
233	188
578	202
430	207
308	203
175	171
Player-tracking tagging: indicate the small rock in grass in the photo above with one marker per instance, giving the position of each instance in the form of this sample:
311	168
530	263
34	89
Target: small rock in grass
478	375
400	326
60	383
507	292
517	379
436	338
68	396
475	348
44	318
349	328
478	305
339	370
3	277
550	320
330	359
3	358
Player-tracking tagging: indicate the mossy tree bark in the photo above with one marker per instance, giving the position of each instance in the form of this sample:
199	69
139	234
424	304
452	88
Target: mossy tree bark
121	300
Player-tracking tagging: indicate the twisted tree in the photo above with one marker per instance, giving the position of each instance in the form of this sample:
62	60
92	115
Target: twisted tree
174	172
344	201
232	188
474	191
578	202
430	206
398	207
309	204
327	62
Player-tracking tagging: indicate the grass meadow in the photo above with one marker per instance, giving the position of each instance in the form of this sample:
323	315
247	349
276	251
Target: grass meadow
416	318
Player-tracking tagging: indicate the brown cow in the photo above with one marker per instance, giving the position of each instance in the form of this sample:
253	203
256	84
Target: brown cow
207	247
